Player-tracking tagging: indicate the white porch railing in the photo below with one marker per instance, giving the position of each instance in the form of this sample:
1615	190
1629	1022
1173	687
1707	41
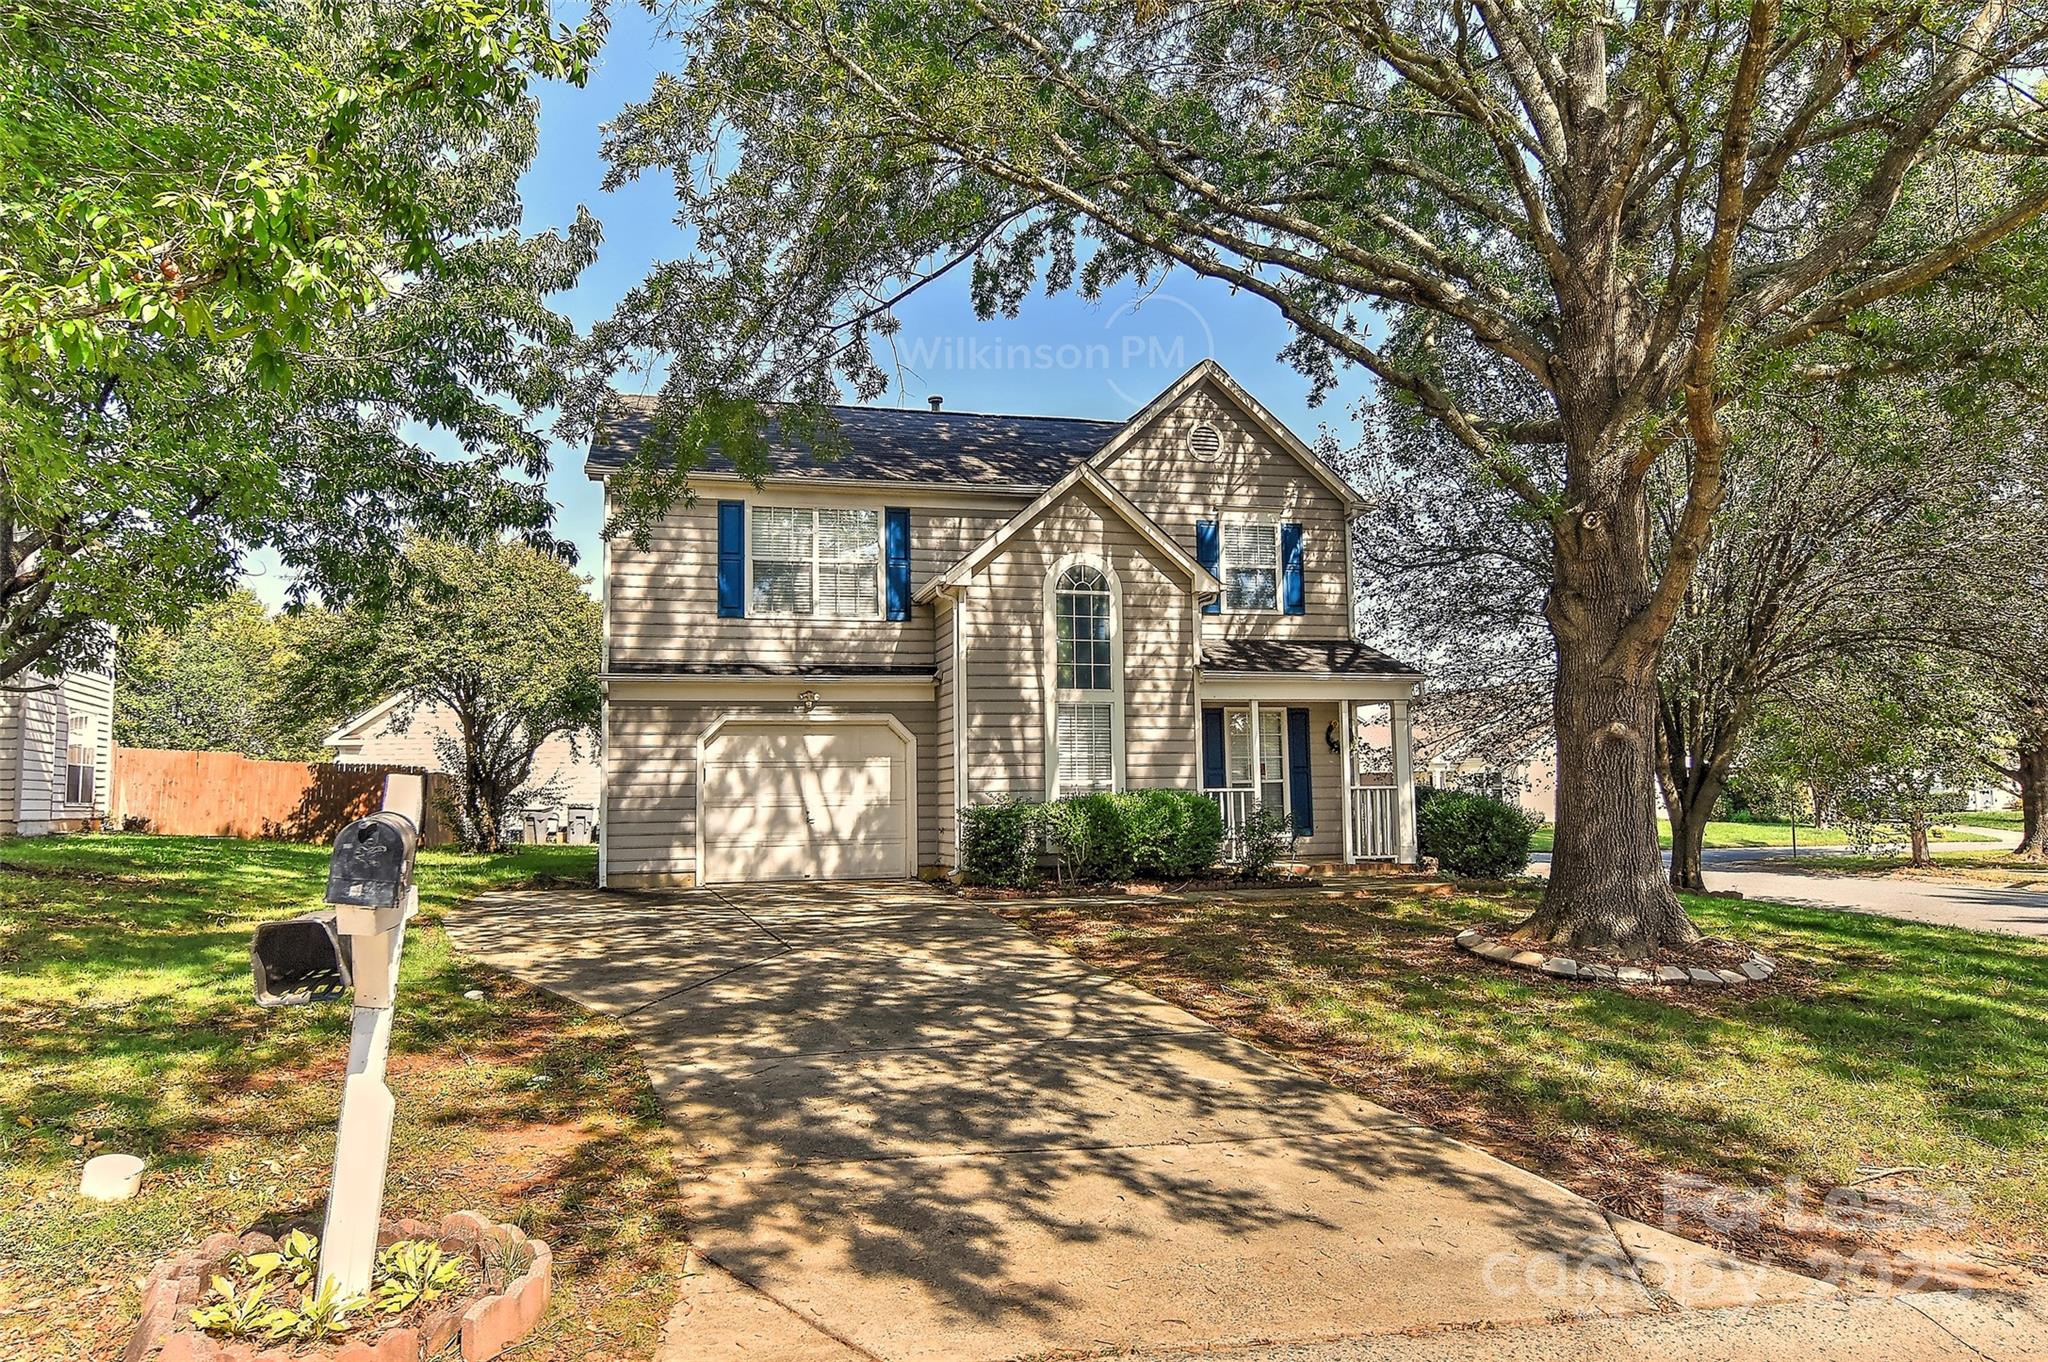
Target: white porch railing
1375	826
1375	821
1236	806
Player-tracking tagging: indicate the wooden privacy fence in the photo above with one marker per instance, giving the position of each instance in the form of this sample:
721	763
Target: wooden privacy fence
225	794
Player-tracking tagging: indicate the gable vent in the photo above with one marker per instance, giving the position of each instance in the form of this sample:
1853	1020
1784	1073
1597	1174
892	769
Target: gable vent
1205	441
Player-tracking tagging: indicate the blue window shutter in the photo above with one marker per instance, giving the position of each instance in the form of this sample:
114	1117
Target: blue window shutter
1293	596
1214	774
732	559
1300	790
1209	553
896	549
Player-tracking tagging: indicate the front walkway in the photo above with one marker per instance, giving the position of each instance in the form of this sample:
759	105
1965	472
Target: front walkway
926	1135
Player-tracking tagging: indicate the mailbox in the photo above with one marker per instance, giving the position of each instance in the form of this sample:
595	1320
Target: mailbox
372	862
300	960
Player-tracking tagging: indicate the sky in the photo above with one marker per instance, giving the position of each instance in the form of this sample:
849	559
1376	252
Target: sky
1062	357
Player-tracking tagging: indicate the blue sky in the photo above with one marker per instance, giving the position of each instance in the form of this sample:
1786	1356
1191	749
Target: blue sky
1062	356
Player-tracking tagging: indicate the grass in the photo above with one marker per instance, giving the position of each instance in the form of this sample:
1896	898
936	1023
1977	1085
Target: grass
2002	872
1883	1045
126	1024
1733	836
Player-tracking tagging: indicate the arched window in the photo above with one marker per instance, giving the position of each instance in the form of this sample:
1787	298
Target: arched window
1087	680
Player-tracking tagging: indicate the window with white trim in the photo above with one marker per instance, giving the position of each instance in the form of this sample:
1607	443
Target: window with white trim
1084	681
1270	788
78	761
816	561
1250	566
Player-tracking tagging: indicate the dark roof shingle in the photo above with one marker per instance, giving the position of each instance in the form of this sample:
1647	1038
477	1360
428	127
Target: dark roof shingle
1338	655
884	445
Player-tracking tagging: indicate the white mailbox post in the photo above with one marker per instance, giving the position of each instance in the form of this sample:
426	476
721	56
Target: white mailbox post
354	948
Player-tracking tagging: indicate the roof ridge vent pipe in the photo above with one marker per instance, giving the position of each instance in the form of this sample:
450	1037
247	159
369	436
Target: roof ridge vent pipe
936	401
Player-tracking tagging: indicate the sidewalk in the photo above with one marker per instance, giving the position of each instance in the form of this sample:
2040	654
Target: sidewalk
1938	1326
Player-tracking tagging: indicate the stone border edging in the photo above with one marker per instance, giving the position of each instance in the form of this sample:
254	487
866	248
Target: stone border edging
1754	970
483	1328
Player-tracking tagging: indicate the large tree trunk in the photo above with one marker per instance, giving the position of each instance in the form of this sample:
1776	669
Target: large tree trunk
1608	891
2033	782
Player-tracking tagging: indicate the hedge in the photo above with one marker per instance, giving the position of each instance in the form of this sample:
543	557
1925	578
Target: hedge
1091	839
1472	835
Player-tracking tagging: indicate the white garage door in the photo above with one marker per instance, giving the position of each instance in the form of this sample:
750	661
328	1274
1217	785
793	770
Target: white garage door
795	802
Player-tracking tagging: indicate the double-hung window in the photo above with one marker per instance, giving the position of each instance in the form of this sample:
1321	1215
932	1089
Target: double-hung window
1250	566
78	761
1084	681
816	561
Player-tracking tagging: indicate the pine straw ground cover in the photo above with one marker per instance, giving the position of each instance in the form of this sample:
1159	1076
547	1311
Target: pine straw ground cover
1889	1089
126	1024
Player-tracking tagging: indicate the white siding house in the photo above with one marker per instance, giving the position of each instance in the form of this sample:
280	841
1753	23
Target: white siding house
56	753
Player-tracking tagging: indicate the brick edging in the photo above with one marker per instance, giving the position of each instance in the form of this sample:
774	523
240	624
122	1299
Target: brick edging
484	1328
1753	970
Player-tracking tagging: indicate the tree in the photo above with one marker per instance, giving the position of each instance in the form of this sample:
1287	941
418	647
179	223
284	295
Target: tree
1853	523
1643	212
1851	529
1896	739
502	638
241	246
2018	666
221	684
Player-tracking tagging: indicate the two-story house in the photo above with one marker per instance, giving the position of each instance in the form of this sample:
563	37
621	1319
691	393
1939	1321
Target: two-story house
807	678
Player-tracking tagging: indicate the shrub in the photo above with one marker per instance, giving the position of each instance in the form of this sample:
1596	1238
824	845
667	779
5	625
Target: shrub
1175	834
999	844
1473	835
1089	837
1267	833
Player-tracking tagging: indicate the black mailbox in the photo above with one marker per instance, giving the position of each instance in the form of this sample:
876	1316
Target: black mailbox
372	862
300	960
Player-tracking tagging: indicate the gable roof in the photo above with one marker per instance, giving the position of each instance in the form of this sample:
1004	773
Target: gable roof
351	730
1209	371
883	445
1084	475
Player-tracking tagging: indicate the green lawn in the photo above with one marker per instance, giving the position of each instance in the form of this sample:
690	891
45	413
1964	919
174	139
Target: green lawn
2005	820
126	1024
1885	1045
2005	872
1727	836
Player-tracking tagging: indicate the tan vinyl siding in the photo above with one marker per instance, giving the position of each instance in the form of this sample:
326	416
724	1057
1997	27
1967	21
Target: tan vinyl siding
1254	478
662	601
1005	748
1325	774
944	784
569	768
650	812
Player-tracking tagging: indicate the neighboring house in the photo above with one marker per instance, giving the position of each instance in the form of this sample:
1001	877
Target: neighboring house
1528	779
806	679
383	735
56	752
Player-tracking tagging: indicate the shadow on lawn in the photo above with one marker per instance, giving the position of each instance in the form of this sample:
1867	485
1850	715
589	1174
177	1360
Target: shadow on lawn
1374	994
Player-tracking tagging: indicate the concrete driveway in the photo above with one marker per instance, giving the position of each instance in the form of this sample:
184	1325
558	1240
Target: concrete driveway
919	1133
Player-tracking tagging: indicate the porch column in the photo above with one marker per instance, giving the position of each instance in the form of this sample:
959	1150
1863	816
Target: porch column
1258	777
1404	784
1344	779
